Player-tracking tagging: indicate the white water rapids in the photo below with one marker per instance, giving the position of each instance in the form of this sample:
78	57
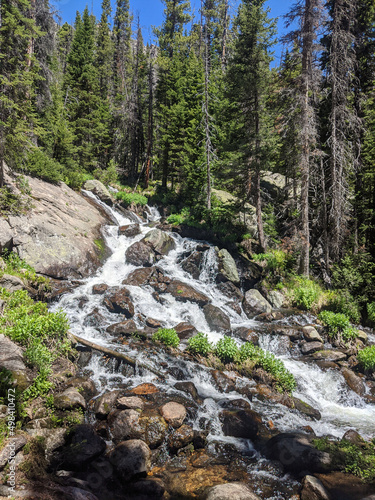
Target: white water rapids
326	391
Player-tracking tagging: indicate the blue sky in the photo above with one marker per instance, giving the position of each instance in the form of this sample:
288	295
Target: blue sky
151	11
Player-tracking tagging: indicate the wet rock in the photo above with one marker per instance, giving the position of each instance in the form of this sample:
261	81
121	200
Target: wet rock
123	424
230	290
266	393
216	318
185	330
254	303
230	491
123	328
306	409
129	230
99	189
153	430
235	404
293	332
189	388
329	355
193	264
327	365
246	334
200	439
85	385
296	453
276	299
353	437
312	489
140	276
12	283
344	486
222	381
105	404
311	334
131	459
183	293
227	267
84	446
173	413
99	289
85	354
180	438
119	302
153	323
354	382
241	423
311	347
130	403
94	319
140	254
145	389
160	242
70	399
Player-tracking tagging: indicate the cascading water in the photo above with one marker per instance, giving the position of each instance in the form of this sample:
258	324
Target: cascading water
326	391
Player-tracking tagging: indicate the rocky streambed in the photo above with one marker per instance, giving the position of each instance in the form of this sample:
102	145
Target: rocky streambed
200	429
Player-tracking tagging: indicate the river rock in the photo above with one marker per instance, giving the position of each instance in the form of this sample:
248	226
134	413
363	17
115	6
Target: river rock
306	409
131	458
230	491
355	383
227	267
313	489
311	347
160	242
353	437
105	404
193	264
230	290
99	289
130	230
222	382
139	277
216	318
130	403
140	254
181	437
123	328
6	238
311	334
296	453
184	292
329	355
241	423
153	430
246	334
235	404
185	330
145	389
12	283
276	299
94	319
85	385
70	399
174	413
119	302
189	388
99	189
84	446
254	303
123	424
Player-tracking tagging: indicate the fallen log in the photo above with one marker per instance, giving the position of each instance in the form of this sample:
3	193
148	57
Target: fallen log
117	355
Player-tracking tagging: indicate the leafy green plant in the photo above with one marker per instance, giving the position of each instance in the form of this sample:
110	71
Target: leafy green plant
166	336
179	218
199	344
41	165
305	293
341	301
227	350
338	325
108	175
371	311
275	260
128	199
366	358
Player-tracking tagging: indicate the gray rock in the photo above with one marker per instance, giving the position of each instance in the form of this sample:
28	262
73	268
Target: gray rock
14	444
130	230
54	439
11	355
313	489
105	404
69	400
227	267
310	347
99	189
254	303
130	403
140	254
119	302
310	334
306	409
230	491
12	283
329	355
131	458
216	318
74	493
181	437
123	424
362	336
160	241
6	235
276	299
184	292
84	446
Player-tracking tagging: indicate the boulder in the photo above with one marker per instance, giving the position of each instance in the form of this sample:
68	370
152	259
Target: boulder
146	489
306	409
181	437
353	437
230	491
185	330
12	283
329	355
6	237
193	264
241	423
310	334
153	430
227	267
296	453
362	336
160	242
123	424
119	302
70	399
230	290
145	389
139	277
173	413
276	299
254	303
189	388
131	459
105	404
222	381
11	355
99	189
311	347
140	254
216	318
85	385
246	334
84	446
130	230
184	292
99	289
94	319
313	489
123	328
235	404
355	383
130	403
53	439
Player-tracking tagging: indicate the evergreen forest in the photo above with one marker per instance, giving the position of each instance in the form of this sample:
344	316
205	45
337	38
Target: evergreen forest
204	112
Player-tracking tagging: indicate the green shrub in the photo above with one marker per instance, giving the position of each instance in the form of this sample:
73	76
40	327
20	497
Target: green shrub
166	336
276	260
11	203
108	175
227	350
341	301
199	344
179	218
131	198
249	351
336	322
371	311
306	293
366	358
41	165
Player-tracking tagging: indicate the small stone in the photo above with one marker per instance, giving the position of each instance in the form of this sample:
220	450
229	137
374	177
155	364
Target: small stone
174	413
310	334
70	399
130	403
230	491
311	347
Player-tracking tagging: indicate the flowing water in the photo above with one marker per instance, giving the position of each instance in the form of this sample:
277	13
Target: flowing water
341	408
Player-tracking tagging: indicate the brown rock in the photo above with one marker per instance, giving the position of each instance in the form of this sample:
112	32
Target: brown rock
185	330
140	254
174	413
183	293
99	289
130	403
354	382
140	276
241	423
222	381
123	328
313	489
181	437
119	302
311	347
216	318
129	230
105	404
329	355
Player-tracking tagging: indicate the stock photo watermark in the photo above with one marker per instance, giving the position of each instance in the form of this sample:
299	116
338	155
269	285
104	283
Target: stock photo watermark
11	447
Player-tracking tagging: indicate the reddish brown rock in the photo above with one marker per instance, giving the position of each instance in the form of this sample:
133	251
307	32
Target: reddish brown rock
144	389
119	302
